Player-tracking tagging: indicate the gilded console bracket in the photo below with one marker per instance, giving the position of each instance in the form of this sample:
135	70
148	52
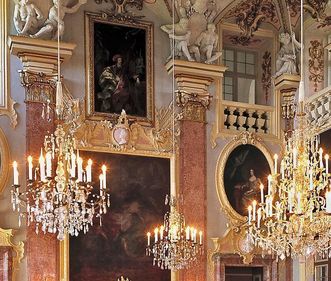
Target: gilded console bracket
193	81
286	86
6	236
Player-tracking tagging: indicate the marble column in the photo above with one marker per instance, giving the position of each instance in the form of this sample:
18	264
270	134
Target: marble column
38	77
193	80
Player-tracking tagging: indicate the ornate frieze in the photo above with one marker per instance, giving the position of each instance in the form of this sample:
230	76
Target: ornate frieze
316	63
249	15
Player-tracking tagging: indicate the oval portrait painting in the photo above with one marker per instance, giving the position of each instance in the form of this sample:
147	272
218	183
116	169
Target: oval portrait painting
245	169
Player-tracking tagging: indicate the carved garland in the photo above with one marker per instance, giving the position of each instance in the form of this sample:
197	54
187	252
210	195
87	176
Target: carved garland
249	16
316	63
266	74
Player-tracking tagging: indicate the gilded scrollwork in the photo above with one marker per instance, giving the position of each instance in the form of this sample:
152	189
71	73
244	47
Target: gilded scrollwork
249	15
266	74
6	236
193	105
39	87
316	63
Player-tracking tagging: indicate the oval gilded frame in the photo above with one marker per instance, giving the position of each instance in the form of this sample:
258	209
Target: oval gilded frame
4	160
241	139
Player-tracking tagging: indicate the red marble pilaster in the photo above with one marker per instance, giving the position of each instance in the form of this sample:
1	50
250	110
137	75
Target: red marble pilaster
6	263
41	249
193	187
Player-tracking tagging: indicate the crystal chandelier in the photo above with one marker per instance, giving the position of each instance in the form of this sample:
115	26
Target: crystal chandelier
59	196
294	218
174	245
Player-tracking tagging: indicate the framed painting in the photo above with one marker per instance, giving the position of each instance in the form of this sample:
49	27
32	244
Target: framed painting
119	68
138	186
242	168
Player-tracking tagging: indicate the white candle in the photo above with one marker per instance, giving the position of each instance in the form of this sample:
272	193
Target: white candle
270	206
15	173
295	153
311	184
269	184
161	232
73	165
156	231
79	169
148	238
299	203
195	236
321	157
89	171
101	184
42	166
48	164
192	233
200	237
328	201
249	214
262	193
30	167
258	217
188	233
276	160
104	169
254	210
326	163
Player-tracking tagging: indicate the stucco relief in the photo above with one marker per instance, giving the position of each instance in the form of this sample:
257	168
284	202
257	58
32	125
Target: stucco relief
30	20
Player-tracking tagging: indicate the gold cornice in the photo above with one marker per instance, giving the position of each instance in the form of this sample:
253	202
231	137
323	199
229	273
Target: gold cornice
193	80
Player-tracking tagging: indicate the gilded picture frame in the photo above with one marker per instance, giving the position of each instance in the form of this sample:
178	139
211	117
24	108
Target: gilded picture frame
245	138
64	249
4	161
119	72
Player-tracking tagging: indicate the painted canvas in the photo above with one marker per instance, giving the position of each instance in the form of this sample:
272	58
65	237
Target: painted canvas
120	73
138	186
246	168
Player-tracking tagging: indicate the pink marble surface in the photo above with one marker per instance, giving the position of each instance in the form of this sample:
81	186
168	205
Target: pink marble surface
5	264
41	250
193	186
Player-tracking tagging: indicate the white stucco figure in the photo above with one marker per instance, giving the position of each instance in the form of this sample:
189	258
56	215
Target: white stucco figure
27	18
286	59
179	36
50	28
205	47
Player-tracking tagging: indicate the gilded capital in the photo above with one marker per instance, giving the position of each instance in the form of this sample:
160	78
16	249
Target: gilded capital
193	105
39	87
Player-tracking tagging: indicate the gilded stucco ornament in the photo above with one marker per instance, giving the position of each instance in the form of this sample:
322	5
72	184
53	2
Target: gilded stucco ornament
316	63
193	105
6	240
119	7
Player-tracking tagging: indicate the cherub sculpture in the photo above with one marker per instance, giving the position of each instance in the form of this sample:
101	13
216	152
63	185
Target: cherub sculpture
286	59
27	17
54	25
206	45
179	36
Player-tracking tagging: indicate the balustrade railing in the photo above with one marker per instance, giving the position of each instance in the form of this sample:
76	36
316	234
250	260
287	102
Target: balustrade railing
248	117
319	107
